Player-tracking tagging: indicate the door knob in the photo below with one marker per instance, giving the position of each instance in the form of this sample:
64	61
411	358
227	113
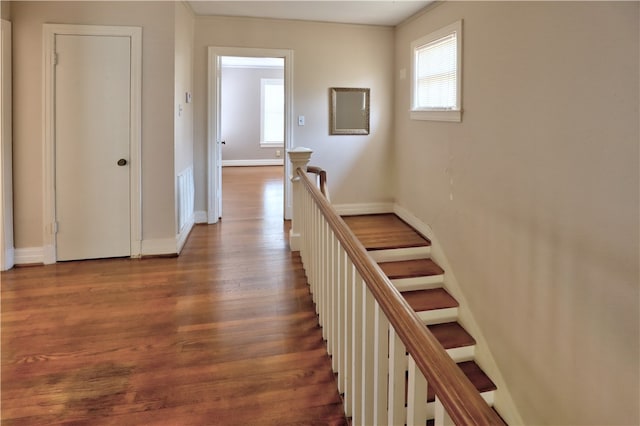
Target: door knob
223	142
122	162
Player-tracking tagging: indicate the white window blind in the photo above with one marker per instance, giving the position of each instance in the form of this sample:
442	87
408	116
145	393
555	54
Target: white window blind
272	111
436	73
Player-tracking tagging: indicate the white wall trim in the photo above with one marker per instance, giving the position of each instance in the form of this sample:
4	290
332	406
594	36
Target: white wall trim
29	256
48	135
9	259
159	247
200	216
181	238
363	208
6	149
483	356
213	70
248	163
294	241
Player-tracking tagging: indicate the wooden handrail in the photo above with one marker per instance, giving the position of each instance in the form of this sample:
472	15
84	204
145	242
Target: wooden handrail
461	400
322	174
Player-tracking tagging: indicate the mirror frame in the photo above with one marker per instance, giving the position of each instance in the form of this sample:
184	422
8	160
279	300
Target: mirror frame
333	130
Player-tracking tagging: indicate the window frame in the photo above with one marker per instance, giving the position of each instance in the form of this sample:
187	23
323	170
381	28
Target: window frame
273	82
437	114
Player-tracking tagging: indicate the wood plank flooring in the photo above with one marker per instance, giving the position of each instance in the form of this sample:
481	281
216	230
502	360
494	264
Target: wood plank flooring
384	231
224	334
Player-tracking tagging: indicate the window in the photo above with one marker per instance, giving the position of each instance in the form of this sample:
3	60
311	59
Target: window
271	112
436	76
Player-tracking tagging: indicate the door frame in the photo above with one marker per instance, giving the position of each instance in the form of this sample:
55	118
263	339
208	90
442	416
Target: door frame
213	122
135	136
6	166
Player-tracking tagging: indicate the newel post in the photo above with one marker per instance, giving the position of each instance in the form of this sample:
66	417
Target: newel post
299	157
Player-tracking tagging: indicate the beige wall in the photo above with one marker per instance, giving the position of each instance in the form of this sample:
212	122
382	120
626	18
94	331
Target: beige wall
183	121
535	196
184	33
157	21
325	55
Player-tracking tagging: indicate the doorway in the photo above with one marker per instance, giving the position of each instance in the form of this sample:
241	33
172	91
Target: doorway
92	142
215	137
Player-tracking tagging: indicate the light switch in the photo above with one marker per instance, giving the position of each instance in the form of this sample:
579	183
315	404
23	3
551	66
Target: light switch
301	120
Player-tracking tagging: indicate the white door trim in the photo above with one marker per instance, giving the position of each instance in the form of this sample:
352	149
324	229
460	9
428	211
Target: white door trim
7	259
213	71
48	137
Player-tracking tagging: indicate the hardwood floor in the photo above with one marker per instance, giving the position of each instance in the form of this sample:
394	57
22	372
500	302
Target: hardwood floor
224	334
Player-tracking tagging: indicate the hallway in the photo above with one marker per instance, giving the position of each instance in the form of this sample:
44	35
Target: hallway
224	334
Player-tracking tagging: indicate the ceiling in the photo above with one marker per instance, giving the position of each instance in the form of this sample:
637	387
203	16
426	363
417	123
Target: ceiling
380	12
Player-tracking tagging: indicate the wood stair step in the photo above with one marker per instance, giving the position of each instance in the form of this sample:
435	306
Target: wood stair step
411	268
474	373
384	231
428	300
451	335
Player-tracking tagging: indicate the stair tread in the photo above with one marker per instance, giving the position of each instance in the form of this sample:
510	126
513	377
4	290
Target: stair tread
451	335
410	268
384	231
427	300
474	373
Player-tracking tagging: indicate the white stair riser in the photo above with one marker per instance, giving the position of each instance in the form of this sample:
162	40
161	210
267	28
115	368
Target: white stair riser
399	254
419	283
438	316
465	353
489	397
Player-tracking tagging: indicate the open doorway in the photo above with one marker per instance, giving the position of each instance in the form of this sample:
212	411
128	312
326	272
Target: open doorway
250	116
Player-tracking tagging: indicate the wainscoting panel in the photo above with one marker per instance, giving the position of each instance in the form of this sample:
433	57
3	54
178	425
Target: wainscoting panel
185	198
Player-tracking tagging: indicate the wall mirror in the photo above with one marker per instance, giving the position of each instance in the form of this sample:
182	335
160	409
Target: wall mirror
348	111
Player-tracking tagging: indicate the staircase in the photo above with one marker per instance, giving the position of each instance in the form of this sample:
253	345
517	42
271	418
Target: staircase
404	256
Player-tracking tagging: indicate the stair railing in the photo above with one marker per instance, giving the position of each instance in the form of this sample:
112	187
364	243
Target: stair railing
321	179
369	327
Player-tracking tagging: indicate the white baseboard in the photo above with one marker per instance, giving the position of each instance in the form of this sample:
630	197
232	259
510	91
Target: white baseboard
29	256
159	247
412	220
8	260
200	216
150	247
245	163
363	208
294	241
181	238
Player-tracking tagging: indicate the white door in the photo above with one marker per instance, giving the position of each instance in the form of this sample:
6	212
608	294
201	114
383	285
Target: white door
92	132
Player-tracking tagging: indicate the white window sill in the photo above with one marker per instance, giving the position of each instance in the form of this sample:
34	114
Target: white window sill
437	115
271	144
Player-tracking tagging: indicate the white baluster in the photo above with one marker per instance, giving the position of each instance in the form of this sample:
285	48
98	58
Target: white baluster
342	352
335	303
356	342
368	354
441	416
329	287
416	396
381	366
397	370
348	301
